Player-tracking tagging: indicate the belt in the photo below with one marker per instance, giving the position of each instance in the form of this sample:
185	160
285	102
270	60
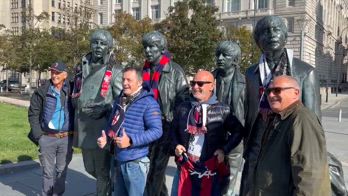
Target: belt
59	135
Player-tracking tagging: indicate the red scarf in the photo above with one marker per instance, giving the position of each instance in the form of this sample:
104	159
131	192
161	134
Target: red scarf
153	83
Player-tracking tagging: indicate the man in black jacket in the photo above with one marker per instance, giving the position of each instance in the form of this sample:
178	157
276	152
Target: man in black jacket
167	80
51	121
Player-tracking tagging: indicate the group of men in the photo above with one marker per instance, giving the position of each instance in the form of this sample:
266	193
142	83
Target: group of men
141	117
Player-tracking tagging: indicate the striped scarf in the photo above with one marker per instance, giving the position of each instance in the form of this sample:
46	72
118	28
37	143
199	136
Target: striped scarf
153	83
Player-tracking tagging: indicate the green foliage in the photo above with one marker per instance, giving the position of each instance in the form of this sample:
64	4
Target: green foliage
128	34
192	33
250	52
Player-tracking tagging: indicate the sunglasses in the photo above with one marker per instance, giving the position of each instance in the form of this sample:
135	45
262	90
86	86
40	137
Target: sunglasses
277	90
199	83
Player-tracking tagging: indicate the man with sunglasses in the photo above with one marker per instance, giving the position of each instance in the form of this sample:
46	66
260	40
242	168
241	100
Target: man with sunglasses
270	34
230	90
293	157
168	82
204	132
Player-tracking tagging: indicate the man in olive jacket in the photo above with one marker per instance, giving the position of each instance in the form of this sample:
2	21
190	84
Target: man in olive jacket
168	82
293	157
97	82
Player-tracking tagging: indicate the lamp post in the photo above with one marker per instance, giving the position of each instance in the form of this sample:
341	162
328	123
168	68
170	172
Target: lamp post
341	54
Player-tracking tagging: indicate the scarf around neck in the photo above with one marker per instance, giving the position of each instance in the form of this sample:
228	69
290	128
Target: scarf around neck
152	83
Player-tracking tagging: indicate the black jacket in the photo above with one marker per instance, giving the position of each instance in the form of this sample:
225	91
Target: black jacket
224	129
37	104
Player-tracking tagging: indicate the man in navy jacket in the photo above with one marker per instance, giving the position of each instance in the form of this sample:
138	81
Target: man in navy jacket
135	123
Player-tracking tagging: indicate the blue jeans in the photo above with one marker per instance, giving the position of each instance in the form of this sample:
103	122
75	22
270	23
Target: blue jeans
175	184
131	177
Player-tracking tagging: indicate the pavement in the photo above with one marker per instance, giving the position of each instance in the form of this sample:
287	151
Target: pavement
24	178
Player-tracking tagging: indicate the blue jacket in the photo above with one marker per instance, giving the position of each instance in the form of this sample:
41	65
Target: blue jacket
142	123
42	107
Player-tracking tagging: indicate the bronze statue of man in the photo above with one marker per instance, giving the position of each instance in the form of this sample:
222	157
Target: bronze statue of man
97	82
168	82
271	35
230	90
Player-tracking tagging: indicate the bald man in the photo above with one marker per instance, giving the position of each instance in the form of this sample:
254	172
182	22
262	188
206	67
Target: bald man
204	132
293	158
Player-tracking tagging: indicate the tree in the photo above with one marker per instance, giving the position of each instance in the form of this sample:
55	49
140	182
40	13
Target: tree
250	52
192	33
128	33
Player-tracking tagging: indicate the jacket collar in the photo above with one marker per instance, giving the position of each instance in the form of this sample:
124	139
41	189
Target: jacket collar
290	109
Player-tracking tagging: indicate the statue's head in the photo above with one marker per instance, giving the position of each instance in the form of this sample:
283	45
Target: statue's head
271	33
228	55
154	44
101	43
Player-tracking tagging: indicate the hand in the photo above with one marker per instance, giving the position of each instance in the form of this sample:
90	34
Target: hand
220	155
124	141
179	149
101	141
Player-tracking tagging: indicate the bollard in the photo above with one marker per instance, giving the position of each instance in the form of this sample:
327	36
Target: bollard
340	115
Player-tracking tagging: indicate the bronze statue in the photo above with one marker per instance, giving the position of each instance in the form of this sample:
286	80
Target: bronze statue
97	82
168	82
230	90
271	35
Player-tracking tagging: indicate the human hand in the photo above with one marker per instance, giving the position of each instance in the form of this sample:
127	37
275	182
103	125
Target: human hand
123	141
179	149
220	155
101	141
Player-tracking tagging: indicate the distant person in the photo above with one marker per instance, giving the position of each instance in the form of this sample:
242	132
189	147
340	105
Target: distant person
204	132
135	122
168	82
230	90
293	157
51	120
271	36
97	82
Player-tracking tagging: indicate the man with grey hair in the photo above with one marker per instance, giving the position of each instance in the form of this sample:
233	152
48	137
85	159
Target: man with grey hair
97	82
230	90
168	82
271	36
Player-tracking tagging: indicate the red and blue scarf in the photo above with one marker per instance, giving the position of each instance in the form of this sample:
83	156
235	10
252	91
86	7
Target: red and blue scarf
153	83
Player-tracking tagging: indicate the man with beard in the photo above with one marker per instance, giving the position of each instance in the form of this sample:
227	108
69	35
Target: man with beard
167	81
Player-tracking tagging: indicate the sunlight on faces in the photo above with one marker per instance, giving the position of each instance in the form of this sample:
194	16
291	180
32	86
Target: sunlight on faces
286	96
204	92
58	77
130	82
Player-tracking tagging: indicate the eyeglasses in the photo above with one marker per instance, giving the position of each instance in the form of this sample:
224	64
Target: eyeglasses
277	90
199	83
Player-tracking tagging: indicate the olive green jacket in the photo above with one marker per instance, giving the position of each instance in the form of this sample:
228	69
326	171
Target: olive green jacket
92	112
293	157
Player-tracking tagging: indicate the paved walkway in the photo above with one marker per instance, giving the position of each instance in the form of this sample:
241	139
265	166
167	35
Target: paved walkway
24	178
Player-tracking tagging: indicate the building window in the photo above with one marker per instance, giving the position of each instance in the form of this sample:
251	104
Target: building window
118	1
23	17
290	24
23	3
233	5
136	13
14	17
263	4
101	18
68	5
59	4
14	4
53	3
118	12
53	17
135	1
15	30
155	12
100	2
59	18
291	3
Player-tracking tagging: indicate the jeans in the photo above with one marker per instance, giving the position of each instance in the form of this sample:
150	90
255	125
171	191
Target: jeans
175	184
55	155
131	177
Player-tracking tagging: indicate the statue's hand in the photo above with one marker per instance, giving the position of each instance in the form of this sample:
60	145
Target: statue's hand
95	110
